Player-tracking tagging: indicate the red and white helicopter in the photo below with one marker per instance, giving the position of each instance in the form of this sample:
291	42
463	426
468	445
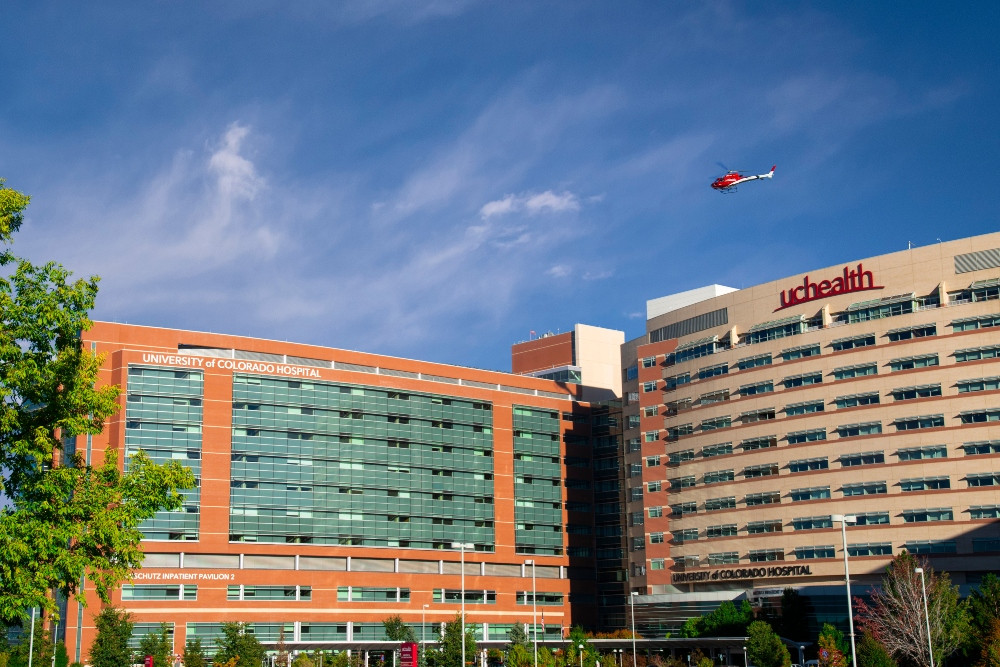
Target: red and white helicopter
729	182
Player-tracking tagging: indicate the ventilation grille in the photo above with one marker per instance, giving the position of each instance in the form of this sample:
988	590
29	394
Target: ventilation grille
976	261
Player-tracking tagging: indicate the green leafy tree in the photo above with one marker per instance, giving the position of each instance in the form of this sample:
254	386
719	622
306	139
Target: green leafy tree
895	615
41	649
519	655
159	645
764	647
518	636
728	620
194	653
62	657
872	654
303	660
835	638
989	651
450	654
62	519
984	611
110	647
239	645
397	631
830	654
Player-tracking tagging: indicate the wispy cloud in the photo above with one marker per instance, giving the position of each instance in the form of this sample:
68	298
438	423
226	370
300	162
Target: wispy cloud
547	201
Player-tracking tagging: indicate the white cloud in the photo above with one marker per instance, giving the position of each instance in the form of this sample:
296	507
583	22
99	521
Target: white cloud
531	203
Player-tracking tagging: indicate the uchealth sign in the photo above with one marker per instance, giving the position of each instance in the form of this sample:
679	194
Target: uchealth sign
775	572
408	656
851	280
228	364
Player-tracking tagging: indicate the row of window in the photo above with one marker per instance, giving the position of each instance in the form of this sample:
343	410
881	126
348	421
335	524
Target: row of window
975	448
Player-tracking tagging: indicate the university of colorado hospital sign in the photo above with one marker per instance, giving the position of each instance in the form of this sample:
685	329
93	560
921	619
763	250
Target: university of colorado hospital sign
852	280
772	572
228	364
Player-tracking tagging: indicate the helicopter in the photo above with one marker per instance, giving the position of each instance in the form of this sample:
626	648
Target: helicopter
729	182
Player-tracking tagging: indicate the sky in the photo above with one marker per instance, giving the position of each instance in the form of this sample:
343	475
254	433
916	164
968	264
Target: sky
437	179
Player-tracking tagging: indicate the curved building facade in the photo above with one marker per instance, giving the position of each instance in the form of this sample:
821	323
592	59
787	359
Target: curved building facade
759	416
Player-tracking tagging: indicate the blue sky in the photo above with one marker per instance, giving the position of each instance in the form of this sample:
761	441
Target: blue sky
436	178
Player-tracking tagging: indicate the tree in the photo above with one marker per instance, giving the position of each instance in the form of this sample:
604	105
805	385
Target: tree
194	653
62	519
451	644
727	620
518	636
281	659
764	647
989	651
62	657
830	654
239	645
110	647
833	640
302	660
984	612
159	645
397	631
41	648
895	616
873	654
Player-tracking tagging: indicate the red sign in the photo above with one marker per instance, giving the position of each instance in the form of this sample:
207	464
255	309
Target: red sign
149	661
408	653
853	280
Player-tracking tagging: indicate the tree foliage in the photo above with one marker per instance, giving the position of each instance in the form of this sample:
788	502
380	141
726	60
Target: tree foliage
872	654
110	647
63	519
727	620
989	646
397	631
830	655
236	644
194	653
895	616
984	614
450	649
764	647
159	645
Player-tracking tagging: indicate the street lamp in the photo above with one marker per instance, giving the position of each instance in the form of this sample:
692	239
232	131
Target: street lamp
747	661
463	546
631	602
423	624
580	648
534	608
845	519
927	616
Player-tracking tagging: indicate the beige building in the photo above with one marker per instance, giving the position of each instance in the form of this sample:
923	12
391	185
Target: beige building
755	417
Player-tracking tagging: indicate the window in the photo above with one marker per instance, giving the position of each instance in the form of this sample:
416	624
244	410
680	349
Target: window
657	564
984	512
716	423
685	535
870	549
864	489
681	509
924	483
841	344
982	447
805	465
632	421
807	407
812	522
789	326
909	333
762	470
764	555
811	493
655	512
855	371
652	487
757	527
656	538
649	386
651	436
648	362
812	435
854	430
909	363
979	384
724	558
714	397
762	414
972	323
652	461
803	379
919	391
855	400
682	482
695	349
754	362
983	479
924	547
919	453
872	518
979	416
678	458
977	353
675	381
985	545
675	432
923	421
763	442
932	514
711	371
792	353
724	530
725	503
891	306
806	553
757	388
722	449
718	476
765	498
862	459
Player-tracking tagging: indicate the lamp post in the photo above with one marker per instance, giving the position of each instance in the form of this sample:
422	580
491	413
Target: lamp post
31	639
845	519
631	602
927	616
463	546
534	608
423	624
580	650
802	655
746	661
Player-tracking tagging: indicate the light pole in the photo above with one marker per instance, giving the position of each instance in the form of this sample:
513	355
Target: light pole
746	661
31	639
845	519
580	649
631	602
534	608
463	546
802	654
927	616
423	624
